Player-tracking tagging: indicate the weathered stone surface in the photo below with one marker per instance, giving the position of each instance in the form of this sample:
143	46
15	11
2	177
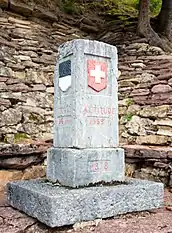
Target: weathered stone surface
161	165
12	80
20	162
37	77
50	90
138	65
4	71
5	102
147	152
133	109
154	112
164	130
146	77
38	87
34	172
139	92
59	206
149	173
170	81
84	114
19	87
18	21
126	83
6	176
73	168
165	76
161	88
3	86
122	110
165	122
20	74
152	140
7	150
139	126
22	58
37	171
10	117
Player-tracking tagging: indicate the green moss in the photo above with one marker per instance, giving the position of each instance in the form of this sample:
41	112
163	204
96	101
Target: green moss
19	137
128	116
129	102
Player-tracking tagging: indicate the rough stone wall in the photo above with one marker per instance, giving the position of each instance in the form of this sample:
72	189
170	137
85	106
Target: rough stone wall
145	111
145	96
21	161
27	59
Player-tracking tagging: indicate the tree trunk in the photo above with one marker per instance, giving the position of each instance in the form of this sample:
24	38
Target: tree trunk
144	28
165	19
144	19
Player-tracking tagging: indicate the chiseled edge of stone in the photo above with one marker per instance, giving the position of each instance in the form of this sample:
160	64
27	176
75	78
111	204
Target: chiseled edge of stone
47	203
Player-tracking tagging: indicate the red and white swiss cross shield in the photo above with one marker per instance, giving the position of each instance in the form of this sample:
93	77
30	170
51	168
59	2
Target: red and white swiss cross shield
97	75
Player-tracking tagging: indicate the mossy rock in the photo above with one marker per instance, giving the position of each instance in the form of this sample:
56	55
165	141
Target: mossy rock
20	137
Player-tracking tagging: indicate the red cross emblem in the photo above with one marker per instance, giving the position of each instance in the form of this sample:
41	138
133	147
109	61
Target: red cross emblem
97	75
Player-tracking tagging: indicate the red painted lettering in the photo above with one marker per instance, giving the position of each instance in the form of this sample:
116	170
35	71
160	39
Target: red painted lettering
99	166
98	110
63	121
96	121
94	167
106	166
85	109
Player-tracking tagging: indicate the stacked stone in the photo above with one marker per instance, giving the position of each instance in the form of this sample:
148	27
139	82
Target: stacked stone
145	87
145	109
27	60
21	161
149	162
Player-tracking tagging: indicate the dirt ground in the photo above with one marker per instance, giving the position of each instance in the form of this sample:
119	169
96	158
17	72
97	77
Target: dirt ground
156	221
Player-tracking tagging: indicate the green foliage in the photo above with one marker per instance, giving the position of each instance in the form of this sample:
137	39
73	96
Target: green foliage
155	6
69	6
128	117
111	7
121	7
127	6
129	102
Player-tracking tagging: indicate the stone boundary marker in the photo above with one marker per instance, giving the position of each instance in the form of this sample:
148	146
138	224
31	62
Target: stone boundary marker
85	167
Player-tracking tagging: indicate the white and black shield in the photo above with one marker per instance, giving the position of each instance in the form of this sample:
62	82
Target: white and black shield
65	79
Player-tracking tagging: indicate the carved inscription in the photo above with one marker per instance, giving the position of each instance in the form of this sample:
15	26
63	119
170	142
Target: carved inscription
98	115
99	166
94	114
63	121
99	110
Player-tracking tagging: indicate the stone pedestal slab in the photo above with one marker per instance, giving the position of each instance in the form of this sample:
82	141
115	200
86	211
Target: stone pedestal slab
75	167
58	206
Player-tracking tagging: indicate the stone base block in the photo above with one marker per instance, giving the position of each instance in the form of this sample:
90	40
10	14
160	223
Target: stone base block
58	206
81	167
